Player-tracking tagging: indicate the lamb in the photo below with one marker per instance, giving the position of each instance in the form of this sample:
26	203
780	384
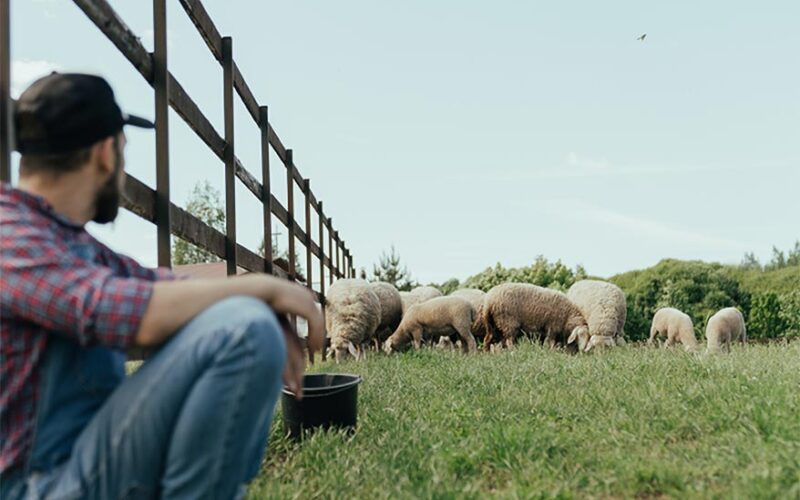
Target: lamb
604	307
676	326
439	317
418	296
725	326
512	308
391	310
476	298
352	314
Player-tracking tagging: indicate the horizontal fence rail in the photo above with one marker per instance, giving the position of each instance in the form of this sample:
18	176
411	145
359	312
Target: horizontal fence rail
154	205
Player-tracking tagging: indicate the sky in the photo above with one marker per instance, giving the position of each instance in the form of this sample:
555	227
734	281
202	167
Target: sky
469	133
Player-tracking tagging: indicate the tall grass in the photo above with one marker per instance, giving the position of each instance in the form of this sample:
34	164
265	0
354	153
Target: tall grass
531	423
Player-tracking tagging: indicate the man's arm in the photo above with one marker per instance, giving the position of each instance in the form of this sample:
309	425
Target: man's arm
173	303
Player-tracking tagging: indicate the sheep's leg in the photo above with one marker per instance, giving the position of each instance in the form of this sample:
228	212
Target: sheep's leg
653	334
468	343
416	338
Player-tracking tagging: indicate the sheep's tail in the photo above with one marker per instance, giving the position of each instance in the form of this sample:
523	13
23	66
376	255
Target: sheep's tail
489	327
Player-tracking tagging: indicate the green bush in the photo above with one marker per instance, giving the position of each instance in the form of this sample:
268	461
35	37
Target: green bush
543	273
765	319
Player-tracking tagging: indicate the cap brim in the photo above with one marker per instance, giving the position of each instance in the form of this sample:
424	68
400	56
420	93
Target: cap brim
138	121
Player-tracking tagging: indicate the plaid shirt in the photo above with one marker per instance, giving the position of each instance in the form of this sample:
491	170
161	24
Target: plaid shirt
48	289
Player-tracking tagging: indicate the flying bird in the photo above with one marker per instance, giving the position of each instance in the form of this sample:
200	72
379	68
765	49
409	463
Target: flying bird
641	38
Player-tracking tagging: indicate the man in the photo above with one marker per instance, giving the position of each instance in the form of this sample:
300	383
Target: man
192	422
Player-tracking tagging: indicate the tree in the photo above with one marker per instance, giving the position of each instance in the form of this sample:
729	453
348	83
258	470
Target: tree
765	319
205	204
389	270
749	261
448	286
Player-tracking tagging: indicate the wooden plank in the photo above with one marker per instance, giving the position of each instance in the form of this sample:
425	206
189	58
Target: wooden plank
230	166
291	225
160	84
321	254
197	121
248	99
5	91
264	193
307	236
205	26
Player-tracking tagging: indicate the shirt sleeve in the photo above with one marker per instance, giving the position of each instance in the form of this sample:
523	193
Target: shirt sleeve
129	267
45	284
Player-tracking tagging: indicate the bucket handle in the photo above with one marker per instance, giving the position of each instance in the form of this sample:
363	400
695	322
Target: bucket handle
342	389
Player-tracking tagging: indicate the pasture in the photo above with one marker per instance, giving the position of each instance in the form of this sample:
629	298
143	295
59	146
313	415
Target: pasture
533	423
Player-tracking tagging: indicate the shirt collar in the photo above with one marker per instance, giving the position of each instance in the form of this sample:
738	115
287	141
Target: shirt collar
35	202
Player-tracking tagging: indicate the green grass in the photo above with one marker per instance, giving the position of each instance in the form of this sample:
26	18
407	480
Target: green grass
530	423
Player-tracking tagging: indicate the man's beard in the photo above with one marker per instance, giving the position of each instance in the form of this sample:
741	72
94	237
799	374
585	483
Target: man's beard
106	201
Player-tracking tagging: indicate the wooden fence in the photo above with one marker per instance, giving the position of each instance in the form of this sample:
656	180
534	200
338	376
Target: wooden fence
155	205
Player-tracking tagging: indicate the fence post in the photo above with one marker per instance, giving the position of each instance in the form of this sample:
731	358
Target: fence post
230	167
338	254
290	211
266	191
309	264
161	87
330	250
321	218
6	117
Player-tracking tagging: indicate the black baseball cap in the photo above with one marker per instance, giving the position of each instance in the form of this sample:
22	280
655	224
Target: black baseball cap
67	111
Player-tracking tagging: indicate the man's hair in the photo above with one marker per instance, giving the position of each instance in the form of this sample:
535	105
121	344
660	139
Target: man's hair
58	163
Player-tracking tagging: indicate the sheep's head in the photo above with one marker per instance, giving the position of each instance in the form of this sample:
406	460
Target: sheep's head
395	343
599	341
343	350
579	334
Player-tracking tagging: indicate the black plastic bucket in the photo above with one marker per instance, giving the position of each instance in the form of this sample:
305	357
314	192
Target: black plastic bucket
330	400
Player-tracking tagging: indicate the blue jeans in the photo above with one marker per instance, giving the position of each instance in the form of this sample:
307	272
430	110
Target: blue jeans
192	422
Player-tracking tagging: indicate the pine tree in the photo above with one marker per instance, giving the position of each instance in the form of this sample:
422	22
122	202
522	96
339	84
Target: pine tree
391	271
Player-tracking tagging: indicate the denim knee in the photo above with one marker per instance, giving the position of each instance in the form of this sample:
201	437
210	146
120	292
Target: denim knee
256	325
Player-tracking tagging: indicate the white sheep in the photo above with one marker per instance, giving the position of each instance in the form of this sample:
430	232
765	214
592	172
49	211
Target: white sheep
604	307
418	296
391	310
352	314
674	324
432	319
513	308
725	326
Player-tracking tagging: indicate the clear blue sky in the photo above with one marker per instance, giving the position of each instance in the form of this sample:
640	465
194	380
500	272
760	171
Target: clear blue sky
467	133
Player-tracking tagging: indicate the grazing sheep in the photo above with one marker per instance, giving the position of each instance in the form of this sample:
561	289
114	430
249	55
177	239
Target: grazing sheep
513	308
439	317
418	296
676	326
391	310
476	298
604	307
725	326
352	313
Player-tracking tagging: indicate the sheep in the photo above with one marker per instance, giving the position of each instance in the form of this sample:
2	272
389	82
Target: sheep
512	308
724	326
418	296
391	310
438	317
604	307
476	298
676	326
352	314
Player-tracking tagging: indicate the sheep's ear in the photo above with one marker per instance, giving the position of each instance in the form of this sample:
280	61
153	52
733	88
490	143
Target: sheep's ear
573	336
352	350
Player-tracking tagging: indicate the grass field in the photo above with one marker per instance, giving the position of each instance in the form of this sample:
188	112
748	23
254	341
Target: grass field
530	423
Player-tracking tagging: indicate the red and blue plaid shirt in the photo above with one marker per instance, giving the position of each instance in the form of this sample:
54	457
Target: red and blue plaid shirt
48	289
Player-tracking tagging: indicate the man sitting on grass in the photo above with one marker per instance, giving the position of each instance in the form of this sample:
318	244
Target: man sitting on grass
192	422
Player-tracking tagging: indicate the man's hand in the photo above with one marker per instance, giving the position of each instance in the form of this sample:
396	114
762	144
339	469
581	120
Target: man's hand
288	298
295	362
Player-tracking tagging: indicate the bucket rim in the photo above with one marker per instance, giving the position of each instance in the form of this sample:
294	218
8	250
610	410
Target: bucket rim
356	380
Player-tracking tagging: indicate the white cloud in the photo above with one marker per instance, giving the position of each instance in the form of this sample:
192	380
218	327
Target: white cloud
641	226
586	164
26	71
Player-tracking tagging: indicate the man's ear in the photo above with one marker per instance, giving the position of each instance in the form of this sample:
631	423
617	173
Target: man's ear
104	156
